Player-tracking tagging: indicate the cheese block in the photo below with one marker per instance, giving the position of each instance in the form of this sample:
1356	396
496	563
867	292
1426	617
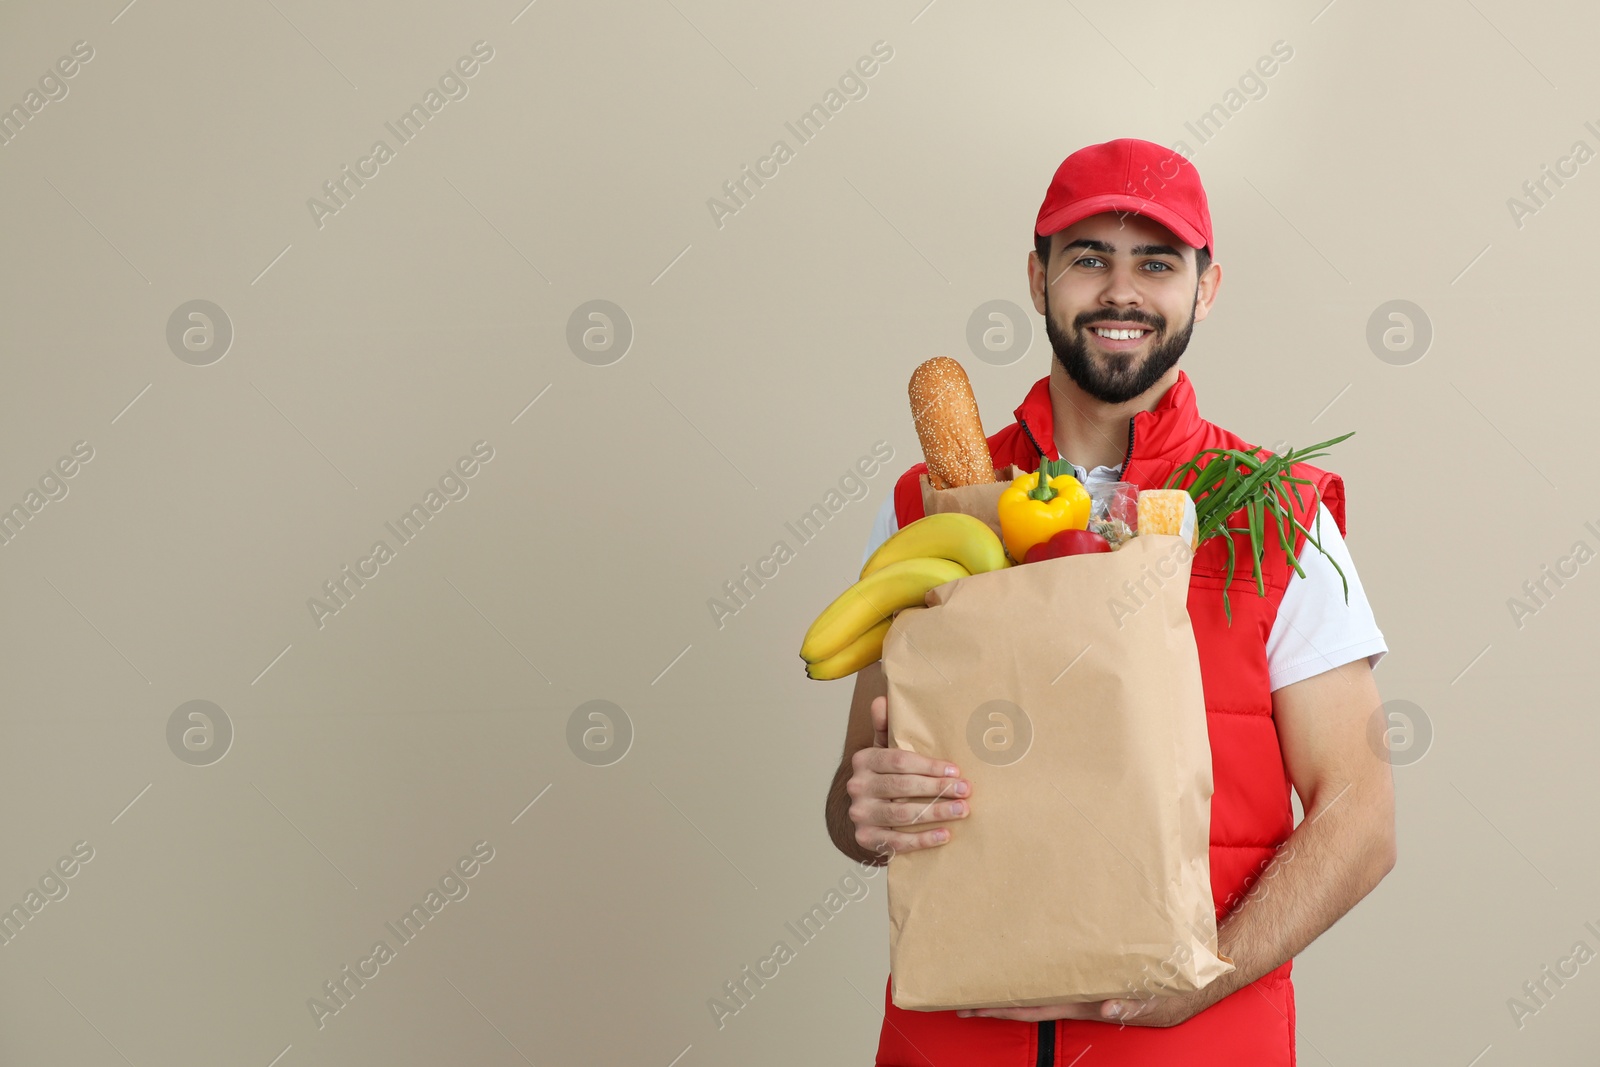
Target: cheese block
1167	511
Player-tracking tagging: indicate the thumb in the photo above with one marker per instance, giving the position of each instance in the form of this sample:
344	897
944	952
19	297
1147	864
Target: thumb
880	722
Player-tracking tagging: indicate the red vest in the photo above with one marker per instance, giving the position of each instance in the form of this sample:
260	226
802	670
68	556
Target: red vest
1250	807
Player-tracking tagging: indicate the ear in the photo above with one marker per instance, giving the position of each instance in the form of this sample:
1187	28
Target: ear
1037	279
1206	290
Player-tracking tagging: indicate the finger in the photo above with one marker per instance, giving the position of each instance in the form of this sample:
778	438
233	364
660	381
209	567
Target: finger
891	842
1037	1014
907	814
904	761
1022	1015
1125	1010
911	786
911	812
880	721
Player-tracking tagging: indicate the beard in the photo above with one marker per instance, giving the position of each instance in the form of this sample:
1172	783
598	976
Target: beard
1113	378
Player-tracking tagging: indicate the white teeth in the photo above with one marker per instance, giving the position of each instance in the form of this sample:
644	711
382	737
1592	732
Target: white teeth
1120	335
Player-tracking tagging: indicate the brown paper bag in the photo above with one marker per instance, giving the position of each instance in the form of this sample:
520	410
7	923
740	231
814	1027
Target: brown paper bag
980	500
1082	872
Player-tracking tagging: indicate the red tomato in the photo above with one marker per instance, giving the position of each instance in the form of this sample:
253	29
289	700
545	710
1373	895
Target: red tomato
1067	543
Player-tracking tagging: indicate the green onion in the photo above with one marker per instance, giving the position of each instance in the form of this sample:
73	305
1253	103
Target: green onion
1228	480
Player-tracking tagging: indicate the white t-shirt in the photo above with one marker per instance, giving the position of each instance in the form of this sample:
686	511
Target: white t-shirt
1314	631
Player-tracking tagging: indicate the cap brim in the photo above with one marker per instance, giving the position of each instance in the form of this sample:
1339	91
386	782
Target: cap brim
1067	214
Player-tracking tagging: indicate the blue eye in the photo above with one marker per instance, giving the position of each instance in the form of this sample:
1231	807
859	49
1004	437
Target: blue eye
1097	261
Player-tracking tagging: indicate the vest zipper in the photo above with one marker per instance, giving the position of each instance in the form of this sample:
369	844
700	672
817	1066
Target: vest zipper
1122	475
1032	439
1122	472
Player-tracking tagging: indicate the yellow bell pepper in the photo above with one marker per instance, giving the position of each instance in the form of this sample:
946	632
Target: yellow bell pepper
1031	513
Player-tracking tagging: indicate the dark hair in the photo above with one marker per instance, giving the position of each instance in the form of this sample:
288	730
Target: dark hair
1041	244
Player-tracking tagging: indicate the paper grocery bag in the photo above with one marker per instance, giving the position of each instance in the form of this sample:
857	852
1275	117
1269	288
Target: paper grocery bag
1074	706
979	501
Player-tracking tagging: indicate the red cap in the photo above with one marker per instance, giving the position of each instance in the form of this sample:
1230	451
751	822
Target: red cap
1129	175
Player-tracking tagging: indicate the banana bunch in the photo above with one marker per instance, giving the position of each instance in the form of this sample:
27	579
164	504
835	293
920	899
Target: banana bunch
935	549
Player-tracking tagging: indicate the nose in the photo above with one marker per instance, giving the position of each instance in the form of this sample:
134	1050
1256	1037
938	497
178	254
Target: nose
1121	287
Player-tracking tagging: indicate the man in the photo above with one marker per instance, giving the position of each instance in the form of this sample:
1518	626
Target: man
1122	270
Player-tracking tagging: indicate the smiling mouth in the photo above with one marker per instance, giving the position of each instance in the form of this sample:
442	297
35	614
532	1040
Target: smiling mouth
1120	338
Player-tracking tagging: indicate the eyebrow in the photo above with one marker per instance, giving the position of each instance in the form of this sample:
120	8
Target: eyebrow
1105	248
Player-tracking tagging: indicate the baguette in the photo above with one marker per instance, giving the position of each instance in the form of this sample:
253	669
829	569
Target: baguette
946	417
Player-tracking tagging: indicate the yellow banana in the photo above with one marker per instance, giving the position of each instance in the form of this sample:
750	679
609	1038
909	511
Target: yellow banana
868	648
948	535
875	598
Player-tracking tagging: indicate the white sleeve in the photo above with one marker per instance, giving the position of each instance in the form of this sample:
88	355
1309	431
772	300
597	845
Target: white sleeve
1315	630
883	527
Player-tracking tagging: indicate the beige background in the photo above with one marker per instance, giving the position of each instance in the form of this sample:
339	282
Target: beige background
769	355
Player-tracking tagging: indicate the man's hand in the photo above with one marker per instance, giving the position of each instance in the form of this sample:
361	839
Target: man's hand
1152	1011
892	787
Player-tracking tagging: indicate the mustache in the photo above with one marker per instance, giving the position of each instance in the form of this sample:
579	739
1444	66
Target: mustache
1088	319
